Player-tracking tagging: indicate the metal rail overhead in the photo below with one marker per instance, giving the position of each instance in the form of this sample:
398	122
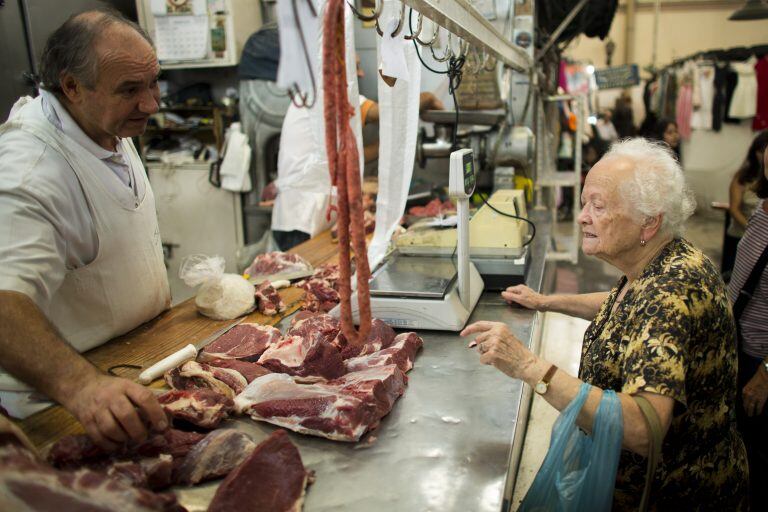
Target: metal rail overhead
462	19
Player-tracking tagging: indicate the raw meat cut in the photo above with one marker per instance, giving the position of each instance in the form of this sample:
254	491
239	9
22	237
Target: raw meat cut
269	301
320	295
271	479
369	225
304	356
27	484
342	409
379	386
402	353
79	450
200	407
273	263
215	456
307	323
380	336
154	473
244	341
321	288
434	208
248	370
193	375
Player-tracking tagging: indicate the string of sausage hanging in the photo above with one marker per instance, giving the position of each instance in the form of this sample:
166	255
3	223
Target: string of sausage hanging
344	166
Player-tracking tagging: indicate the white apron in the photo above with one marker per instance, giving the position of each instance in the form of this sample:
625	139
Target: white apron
126	284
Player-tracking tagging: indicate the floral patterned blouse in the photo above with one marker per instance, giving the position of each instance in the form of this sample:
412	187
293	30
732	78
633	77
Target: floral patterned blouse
673	334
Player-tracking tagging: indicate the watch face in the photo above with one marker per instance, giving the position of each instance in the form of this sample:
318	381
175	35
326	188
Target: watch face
541	387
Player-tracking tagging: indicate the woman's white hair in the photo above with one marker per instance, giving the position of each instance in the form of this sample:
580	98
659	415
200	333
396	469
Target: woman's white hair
658	185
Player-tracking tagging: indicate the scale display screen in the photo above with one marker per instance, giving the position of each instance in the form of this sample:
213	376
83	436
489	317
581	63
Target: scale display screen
468	165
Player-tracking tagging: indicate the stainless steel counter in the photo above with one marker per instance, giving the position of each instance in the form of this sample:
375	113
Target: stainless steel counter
451	443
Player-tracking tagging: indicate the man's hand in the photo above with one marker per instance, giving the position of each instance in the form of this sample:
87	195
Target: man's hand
755	393
428	101
114	411
524	296
500	348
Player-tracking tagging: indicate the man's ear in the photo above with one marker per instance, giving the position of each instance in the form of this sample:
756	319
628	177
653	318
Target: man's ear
72	88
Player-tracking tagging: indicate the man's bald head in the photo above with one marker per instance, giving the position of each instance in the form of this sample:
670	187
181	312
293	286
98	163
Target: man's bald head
72	48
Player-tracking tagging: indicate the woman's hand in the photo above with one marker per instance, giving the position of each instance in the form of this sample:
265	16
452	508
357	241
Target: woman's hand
524	296
755	393
500	348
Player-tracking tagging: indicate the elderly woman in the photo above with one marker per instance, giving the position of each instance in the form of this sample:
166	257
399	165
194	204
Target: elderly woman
665	332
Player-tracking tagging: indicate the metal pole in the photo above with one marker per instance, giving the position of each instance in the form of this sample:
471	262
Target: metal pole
629	33
31	54
656	18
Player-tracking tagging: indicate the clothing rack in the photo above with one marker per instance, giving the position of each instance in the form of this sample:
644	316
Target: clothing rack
736	53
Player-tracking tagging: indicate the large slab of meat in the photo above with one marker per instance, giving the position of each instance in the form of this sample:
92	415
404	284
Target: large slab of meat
308	323
432	209
203	408
193	375
402	353
76	451
271	479
215	456
273	263
304	356
172	458
322	288
245	341
28	484
268	300
155	473
342	409
380	336
248	370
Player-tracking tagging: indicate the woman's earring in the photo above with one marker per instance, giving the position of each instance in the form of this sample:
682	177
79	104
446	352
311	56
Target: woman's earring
642	243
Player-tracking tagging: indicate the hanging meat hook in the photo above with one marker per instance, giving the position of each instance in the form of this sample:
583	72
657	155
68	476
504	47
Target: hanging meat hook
298	98
366	17
488	58
419	22
447	53
435	31
400	23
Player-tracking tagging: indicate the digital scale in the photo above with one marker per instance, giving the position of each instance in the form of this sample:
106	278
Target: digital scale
496	246
413	291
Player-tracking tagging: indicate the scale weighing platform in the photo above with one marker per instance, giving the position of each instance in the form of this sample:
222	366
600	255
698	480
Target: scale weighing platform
496	248
431	292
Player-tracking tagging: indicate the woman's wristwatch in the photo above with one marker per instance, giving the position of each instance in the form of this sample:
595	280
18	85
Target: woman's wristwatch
543	385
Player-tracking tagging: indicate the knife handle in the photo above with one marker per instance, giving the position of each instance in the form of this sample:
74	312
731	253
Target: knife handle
187	353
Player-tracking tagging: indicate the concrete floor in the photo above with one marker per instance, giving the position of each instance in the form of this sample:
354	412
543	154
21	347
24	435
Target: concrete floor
562	335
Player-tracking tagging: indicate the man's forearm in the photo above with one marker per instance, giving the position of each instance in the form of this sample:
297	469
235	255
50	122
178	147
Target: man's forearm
32	351
584	305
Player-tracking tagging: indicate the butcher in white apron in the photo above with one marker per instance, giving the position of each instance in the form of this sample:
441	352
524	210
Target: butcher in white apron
80	254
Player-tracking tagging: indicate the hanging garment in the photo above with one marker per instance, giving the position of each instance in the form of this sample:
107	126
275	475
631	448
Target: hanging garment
702	116
761	115
684	110
731	79
670	97
718	100
744	101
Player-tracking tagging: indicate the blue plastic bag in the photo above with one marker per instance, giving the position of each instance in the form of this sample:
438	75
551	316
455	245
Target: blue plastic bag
579	471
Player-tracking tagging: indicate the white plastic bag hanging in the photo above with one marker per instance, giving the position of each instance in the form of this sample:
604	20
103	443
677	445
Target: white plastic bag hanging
398	127
222	296
235	166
